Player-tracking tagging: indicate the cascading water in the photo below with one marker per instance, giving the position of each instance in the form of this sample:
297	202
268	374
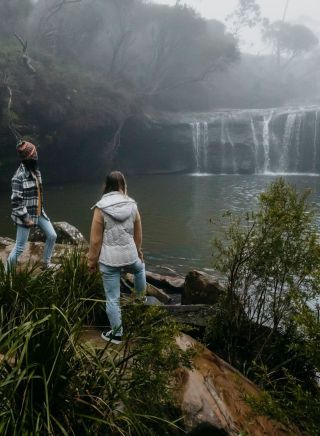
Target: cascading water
297	141
255	144
287	139
314	166
257	141
200	137
228	162
196	143
266	141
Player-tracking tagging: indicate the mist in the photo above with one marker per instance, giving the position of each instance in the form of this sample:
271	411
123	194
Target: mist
87	76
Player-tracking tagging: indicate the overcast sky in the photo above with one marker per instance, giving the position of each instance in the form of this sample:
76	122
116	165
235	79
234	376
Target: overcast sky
299	11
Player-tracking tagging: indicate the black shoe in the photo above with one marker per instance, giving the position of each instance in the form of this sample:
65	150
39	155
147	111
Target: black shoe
111	337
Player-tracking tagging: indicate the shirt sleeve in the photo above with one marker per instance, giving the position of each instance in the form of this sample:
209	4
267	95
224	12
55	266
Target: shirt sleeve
17	202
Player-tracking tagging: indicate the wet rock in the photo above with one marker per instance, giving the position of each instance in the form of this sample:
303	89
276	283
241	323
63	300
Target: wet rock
201	288
153	301
33	252
174	284
211	398
66	234
6	242
197	315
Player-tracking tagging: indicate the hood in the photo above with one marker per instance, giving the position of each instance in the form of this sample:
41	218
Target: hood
117	205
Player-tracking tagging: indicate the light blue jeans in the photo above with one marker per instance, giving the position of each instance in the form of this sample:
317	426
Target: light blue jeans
111	284
22	239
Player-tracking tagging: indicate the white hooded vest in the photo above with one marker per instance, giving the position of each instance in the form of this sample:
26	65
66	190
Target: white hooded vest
119	212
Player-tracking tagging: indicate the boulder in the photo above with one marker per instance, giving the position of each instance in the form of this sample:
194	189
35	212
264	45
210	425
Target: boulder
172	284
201	288
211	398
66	234
196	315
33	252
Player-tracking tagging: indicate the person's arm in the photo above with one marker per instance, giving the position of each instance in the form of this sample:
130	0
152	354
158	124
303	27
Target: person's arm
96	238
18	206
137	235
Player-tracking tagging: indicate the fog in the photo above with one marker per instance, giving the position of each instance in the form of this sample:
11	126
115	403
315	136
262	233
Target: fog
177	56
297	11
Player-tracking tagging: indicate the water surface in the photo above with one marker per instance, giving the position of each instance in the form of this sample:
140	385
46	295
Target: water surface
176	211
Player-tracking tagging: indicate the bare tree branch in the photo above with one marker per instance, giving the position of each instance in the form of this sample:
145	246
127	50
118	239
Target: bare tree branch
25	57
14	131
56	8
188	80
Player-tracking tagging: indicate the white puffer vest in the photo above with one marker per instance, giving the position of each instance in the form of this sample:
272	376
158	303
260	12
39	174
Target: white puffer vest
119	213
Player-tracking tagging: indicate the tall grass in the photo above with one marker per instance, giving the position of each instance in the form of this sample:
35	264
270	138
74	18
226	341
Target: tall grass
53	382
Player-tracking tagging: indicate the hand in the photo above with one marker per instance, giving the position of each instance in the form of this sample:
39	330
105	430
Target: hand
92	268
28	223
140	254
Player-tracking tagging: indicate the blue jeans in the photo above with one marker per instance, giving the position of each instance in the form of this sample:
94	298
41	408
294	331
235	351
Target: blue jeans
22	239
111	284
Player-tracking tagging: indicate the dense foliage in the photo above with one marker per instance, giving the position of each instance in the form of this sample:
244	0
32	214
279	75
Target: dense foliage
78	71
53	381
267	325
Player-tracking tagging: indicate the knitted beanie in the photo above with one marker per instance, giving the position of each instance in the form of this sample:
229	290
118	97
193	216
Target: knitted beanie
26	150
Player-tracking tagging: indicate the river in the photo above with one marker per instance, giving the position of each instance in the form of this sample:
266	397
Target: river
180	213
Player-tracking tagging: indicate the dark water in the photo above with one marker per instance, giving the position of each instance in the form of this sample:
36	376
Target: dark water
176	211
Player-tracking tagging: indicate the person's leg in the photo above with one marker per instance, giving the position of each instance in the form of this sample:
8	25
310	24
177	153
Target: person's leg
21	240
139	281
111	284
51	236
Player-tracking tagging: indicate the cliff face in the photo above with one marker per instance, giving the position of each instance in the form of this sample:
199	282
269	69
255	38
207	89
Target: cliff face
282	140
155	147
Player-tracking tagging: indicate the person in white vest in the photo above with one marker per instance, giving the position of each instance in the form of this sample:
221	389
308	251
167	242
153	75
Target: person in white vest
115	246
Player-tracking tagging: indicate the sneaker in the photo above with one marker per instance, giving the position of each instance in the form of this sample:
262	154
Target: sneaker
111	337
50	266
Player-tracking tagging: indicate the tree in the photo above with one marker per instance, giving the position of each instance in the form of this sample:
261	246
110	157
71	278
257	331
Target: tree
289	41
13	16
181	49
246	14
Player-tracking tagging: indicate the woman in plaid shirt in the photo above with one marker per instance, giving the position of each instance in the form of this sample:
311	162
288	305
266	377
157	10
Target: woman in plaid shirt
27	204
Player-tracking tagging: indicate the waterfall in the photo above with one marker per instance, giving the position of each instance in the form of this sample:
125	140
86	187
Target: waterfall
196	143
205	145
286	142
266	141
260	141
200	137
255	143
297	140
225	139
314	164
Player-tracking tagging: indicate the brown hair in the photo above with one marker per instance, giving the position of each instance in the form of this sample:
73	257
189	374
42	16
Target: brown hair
115	181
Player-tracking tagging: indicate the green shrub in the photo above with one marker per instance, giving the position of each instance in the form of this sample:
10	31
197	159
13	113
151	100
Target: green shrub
271	260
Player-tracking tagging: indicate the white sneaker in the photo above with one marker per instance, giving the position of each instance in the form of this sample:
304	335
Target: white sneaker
111	337
50	266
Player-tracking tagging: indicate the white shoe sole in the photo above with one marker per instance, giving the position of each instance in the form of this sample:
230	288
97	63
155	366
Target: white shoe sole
113	341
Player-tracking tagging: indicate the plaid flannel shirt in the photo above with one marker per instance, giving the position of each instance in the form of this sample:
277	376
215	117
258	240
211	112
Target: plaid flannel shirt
24	198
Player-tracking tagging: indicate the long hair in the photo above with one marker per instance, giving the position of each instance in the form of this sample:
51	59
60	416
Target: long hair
115	181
